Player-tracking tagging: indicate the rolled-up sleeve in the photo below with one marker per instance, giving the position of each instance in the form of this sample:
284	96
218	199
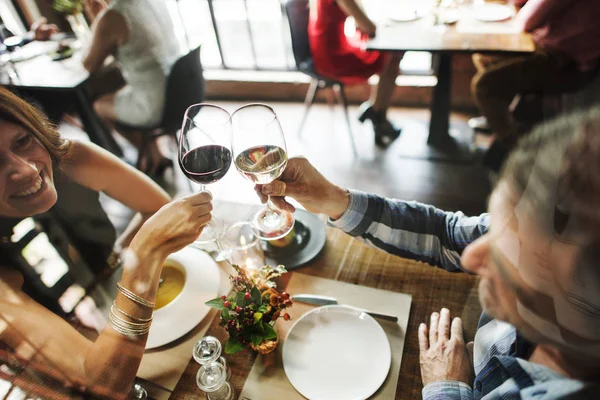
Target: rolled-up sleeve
447	390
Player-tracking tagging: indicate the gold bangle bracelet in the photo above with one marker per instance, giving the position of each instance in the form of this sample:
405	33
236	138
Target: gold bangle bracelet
128	325
134	297
134	319
126	328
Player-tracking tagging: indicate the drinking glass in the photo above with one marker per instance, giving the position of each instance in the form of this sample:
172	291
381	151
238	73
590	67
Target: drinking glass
204	155
243	247
260	155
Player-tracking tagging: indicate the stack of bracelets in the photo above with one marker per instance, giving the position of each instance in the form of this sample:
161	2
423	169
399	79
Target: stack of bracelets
133	326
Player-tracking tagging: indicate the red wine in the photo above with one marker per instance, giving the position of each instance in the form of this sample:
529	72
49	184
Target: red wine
262	164
207	164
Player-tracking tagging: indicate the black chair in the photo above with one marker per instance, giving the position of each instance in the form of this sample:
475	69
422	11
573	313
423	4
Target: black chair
185	86
297	14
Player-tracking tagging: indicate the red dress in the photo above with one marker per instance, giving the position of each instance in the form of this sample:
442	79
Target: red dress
335	55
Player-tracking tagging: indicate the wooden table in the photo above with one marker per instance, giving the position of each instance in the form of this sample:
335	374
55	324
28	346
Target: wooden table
346	259
466	36
66	79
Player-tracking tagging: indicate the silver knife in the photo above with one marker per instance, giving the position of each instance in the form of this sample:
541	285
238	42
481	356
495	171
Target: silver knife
327	301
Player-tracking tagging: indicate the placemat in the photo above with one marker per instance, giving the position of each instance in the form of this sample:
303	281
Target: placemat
164	365
267	379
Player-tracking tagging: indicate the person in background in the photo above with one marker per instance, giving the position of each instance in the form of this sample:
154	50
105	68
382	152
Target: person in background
141	36
40	30
567	51
33	160
536	251
341	58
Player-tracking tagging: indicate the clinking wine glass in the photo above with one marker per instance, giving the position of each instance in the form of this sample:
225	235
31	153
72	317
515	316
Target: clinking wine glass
204	155
260	155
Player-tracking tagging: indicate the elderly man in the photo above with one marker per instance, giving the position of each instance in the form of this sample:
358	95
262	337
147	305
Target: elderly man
536	252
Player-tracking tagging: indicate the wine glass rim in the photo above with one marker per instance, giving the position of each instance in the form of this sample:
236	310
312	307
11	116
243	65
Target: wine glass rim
254	105
207	105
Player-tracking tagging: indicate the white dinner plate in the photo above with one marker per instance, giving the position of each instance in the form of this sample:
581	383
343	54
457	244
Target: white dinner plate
491	12
180	316
407	14
336	353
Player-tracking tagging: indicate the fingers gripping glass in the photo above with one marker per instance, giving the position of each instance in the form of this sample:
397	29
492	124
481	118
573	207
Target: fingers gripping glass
204	155
260	155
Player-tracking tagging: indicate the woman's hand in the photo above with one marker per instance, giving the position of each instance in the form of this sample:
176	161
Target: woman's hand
304	183
444	355
366	28
174	226
42	30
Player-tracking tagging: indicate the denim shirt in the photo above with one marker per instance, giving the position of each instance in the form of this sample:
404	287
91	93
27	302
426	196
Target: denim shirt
425	233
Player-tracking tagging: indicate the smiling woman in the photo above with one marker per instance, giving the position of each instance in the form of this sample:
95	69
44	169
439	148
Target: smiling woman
32	159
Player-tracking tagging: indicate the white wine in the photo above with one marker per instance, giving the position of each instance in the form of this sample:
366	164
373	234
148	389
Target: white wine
262	164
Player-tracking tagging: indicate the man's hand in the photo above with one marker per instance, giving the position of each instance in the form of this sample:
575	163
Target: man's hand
304	183
444	355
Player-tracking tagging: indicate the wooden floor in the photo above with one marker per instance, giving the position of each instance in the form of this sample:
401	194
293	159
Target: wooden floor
326	143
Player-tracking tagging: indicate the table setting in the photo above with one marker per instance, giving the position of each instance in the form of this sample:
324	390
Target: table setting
444	12
242	284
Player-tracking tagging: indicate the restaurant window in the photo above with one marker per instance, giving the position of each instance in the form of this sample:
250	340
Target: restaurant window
252	35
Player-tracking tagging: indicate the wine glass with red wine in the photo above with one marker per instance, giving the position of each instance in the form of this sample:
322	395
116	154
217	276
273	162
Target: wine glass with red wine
204	155
260	155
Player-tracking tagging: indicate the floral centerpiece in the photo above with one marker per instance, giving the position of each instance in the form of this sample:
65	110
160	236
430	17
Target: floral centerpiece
70	7
251	310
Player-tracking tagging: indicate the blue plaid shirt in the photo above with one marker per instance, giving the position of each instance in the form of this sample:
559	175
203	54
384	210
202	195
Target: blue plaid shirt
425	233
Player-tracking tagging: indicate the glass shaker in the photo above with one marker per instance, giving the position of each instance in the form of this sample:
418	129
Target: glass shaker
208	350
212	380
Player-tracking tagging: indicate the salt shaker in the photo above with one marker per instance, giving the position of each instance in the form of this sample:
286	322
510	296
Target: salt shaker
212	379
207	350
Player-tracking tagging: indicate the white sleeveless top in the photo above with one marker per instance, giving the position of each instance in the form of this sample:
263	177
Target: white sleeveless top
146	60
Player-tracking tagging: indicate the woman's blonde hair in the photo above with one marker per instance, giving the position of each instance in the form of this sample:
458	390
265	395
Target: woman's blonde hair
15	110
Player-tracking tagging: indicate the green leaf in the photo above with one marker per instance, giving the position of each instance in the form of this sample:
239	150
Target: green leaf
270	333
233	346
258	328
225	314
257	317
256	339
215	303
262	309
255	293
240	299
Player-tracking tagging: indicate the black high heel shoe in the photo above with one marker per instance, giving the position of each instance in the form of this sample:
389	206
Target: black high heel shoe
385	131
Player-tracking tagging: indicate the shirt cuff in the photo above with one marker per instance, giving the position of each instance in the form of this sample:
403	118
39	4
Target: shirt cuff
354	214
447	390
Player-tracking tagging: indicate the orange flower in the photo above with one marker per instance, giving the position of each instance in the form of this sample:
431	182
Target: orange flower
273	296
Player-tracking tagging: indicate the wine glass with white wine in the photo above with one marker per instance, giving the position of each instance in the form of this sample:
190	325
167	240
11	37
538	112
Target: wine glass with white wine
260	155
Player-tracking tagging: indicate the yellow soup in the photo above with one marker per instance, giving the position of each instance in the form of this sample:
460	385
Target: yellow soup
172	281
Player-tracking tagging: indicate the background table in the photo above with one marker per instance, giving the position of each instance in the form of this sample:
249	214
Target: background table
347	259
466	36
65	80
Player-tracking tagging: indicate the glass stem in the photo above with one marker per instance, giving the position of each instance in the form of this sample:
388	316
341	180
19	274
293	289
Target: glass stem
202	188
271	215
